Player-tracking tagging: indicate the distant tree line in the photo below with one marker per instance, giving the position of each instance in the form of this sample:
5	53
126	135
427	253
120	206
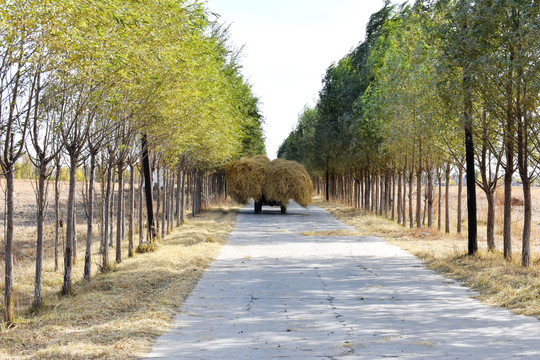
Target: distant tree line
117	89
436	88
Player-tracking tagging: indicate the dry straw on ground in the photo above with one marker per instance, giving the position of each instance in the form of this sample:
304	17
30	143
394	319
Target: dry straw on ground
117	315
245	178
279	180
498	282
288	180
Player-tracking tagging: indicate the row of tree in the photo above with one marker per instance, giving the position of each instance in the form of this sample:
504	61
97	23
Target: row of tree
437	87
112	87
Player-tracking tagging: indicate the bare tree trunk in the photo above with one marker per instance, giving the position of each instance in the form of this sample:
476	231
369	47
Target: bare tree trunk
399	206
374	192
430	194
40	216
8	247
469	161
439	204
419	188
490	195
460	192
89	221
74	251
119	213
164	200
393	197
447	200
140	206
526	245
68	254
111	211
106	216
148	189
131	205
523	167
56	213
170	193
507	218
509	131
158	199
178	195
183	198
382	202
411	219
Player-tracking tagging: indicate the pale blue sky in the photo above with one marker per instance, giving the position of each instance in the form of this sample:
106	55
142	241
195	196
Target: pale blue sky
289	44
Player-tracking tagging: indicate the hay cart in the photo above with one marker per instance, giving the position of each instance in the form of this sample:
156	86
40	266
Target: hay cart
263	201
271	183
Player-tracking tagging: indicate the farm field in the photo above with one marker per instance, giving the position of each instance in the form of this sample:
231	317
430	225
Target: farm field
114	315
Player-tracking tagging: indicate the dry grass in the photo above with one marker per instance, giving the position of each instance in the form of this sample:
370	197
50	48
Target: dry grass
288	180
498	282
117	315
245	177
332	233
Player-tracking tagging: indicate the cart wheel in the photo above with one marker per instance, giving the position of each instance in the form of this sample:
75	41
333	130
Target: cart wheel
283	209
258	207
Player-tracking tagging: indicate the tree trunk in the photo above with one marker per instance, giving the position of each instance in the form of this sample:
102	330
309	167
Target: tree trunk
140	208
447	200
327	185
41	204
106	217
183	198
471	193
8	248
439	204
490	195
89	220
399	206
469	158
382	200
68	254
164	201
509	132
430	194
131	205
393	197
526	245
460	195
158	199
74	249
111	210
523	166
411	221
119	213
148	189
419	189
56	213
178	196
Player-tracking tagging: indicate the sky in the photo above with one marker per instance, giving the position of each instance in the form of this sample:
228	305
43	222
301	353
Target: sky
288	45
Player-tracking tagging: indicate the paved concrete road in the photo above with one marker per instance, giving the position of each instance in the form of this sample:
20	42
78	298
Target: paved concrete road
275	294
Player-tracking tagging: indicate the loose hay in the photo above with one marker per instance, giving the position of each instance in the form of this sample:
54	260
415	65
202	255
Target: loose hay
288	180
245	178
332	233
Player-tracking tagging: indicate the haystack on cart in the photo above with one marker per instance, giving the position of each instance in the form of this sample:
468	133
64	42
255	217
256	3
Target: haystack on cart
271	183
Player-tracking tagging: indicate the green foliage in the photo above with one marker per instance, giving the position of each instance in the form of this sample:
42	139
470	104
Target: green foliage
403	88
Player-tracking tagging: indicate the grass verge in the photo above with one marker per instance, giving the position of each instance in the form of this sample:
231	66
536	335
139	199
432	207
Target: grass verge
498	282
118	314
